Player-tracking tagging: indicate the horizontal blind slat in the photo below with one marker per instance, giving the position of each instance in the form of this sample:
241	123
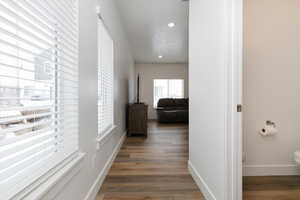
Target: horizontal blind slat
11	149
57	9
40	81
16	140
21	155
46	8
49	42
26	163
24	117
38	89
52	56
36	170
45	23
26	126
60	72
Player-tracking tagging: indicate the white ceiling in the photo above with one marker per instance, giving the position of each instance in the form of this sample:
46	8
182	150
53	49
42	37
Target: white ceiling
146	23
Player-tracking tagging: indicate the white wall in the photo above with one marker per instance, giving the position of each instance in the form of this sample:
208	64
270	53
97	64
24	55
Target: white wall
272	85
149	72
207	75
94	161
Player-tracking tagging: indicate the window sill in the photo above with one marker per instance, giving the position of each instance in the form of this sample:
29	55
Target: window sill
50	185
101	140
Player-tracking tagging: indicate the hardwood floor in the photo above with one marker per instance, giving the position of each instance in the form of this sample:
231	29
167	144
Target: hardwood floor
152	169
272	188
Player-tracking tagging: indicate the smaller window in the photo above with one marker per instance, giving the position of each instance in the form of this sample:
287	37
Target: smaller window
167	88
105	80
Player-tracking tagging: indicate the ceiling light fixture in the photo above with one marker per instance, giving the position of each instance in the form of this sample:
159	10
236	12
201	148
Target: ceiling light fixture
98	10
171	24
160	57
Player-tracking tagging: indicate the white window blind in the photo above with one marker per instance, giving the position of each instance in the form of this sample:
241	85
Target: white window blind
105	79
167	88
38	90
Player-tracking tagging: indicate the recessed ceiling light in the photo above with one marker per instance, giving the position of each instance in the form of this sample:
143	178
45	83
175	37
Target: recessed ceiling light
98	10
171	24
160	57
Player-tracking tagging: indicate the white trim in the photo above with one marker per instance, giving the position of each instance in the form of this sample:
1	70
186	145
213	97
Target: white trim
91	195
51	184
271	170
233	97
206	191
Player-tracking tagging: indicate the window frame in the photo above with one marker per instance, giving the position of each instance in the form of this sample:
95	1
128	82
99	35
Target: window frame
168	88
102	134
64	159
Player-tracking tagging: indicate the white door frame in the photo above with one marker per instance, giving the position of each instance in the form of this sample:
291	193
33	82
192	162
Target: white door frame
234	97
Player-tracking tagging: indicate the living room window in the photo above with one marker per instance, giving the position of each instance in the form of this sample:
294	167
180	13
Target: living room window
38	90
105	80
167	88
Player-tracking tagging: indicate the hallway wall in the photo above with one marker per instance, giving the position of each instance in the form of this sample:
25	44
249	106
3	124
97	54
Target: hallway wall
208	108
85	182
149	72
272	85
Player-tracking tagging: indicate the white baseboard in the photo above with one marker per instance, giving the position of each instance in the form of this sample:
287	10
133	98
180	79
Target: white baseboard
201	184
271	170
91	195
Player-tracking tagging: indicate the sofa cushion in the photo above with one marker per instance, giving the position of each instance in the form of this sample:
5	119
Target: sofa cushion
173	103
172	110
181	102
166	103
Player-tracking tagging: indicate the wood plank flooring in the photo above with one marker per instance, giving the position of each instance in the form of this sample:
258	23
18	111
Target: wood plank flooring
272	188
152	169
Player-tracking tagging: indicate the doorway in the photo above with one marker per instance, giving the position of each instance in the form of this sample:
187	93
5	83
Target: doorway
270	98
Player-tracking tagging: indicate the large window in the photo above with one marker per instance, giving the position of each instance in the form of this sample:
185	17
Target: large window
105	80
38	90
167	88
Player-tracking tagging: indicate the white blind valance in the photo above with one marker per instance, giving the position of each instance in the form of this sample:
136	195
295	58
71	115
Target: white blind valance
105	79
38	89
